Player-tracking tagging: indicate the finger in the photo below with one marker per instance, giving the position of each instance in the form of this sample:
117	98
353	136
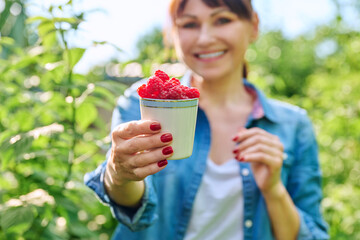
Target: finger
262	148
260	157
142	143
255	140
147	158
141	173
134	128
247	133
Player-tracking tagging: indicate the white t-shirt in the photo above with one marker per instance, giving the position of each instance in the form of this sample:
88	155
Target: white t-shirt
218	208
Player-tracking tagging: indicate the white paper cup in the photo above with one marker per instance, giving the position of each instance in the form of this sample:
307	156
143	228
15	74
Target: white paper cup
177	117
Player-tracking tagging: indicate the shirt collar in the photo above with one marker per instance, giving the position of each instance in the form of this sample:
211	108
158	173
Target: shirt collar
268	110
262	107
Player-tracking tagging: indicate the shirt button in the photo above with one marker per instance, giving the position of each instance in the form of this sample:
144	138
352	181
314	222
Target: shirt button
248	223
245	172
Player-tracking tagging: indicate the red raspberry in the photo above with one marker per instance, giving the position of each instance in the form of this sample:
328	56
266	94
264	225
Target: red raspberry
165	91
154	86
168	85
162	75
192	93
174	81
142	91
171	83
183	91
174	93
160	86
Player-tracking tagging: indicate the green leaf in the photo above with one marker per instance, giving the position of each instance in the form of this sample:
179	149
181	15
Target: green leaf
26	119
70	20
17	219
73	56
6	156
85	115
45	27
19	144
52	233
100	42
80	230
47	32
23	62
36	18
7	41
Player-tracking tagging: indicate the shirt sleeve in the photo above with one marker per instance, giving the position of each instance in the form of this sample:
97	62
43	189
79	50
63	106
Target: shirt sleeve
304	183
135	220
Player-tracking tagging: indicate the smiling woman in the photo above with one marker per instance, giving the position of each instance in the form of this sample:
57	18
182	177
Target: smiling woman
254	171
222	35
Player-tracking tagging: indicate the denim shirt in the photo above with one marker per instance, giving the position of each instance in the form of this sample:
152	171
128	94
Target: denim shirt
169	194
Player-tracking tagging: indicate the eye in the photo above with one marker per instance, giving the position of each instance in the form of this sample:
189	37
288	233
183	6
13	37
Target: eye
222	20
189	25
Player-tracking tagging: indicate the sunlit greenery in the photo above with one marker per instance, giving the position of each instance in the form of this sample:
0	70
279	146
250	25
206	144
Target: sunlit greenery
50	134
54	123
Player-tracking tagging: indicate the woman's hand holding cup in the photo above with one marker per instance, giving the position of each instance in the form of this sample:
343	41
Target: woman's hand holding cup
138	150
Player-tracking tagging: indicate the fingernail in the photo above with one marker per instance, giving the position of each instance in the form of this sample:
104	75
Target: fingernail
235	138
167	137
242	159
236	151
155	126
167	150
162	163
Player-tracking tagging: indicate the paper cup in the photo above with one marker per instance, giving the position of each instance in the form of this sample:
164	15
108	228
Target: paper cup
177	117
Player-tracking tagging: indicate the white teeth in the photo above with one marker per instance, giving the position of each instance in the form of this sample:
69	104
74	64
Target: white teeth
211	55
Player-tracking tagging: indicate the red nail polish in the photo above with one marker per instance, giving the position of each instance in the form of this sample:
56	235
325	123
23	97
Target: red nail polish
235	138
162	163
167	150
242	159
167	137
237	158
236	151
155	126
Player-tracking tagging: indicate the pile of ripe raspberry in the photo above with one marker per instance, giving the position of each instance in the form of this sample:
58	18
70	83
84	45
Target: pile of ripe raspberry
160	86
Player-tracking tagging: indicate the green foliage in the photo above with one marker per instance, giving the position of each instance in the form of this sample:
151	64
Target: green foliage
328	87
50	135
152	50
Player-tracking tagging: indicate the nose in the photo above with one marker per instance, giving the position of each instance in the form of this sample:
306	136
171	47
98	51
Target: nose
206	36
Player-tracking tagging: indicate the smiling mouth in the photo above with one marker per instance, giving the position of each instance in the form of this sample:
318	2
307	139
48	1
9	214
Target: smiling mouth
210	55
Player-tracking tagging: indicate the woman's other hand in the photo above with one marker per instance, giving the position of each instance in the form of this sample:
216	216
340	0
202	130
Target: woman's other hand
265	153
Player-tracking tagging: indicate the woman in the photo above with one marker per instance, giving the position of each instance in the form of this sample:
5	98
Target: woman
254	172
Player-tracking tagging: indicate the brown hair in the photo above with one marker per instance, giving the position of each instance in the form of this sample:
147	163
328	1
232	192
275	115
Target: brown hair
242	8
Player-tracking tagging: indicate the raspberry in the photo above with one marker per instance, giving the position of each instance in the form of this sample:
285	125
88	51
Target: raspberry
164	93
192	93
160	86
174	81
171	83
154	86
174	93
162	75
183	91
142	91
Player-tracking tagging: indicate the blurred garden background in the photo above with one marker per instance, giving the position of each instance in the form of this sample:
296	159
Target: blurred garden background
54	121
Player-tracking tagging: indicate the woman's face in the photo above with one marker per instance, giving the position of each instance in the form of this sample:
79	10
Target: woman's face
212	41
